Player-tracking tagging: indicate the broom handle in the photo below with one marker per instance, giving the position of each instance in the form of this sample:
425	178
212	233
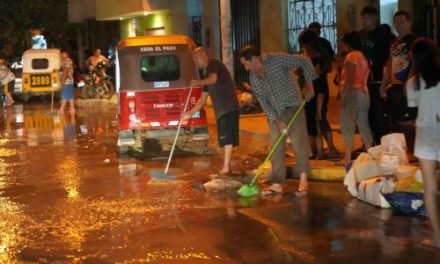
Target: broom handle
280	138
178	131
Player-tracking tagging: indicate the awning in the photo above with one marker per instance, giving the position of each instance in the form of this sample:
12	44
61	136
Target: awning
122	9
80	10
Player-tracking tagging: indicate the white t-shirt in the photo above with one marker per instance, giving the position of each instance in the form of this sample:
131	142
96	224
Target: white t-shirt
427	101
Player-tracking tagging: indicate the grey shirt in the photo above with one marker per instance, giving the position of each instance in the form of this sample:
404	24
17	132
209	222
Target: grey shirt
222	92
279	89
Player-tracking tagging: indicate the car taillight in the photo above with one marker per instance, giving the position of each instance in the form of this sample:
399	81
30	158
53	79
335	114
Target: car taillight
173	123
155	124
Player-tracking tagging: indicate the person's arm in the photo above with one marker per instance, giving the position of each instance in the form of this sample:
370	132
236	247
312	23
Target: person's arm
292	62
261	97
88	62
411	92
350	70
64	76
105	59
200	103
386	79
319	104
210	80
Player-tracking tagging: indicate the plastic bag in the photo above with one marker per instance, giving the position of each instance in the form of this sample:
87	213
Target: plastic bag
393	152
407	203
372	190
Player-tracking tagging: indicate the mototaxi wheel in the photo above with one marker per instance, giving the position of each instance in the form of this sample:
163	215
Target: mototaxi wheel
88	91
106	89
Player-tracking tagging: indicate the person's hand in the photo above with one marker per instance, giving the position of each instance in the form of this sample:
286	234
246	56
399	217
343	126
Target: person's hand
195	83
383	92
186	116
318	116
308	94
318	70
281	126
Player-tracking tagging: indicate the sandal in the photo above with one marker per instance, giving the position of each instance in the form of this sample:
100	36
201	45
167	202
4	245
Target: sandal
273	189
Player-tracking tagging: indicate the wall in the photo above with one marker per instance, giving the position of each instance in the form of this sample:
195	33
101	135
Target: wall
211	25
179	17
348	15
158	22
79	10
273	24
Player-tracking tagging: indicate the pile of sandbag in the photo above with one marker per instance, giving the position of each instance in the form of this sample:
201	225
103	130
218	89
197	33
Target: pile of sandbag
383	170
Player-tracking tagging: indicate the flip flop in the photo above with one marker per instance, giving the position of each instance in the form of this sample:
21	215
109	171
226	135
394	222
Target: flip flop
271	191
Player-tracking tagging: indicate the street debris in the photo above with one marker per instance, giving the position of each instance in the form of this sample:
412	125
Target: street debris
221	185
383	171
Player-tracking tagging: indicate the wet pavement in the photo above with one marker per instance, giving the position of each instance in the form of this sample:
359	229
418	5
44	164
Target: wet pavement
66	197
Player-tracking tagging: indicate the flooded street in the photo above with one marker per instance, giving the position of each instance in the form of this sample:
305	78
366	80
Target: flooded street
66	197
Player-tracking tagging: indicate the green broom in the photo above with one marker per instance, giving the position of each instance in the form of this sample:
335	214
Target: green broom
251	189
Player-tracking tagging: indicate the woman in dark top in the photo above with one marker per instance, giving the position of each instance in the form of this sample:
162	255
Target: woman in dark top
316	110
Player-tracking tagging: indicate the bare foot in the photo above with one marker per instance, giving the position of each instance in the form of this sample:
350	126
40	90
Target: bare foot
430	243
342	162
224	171
11	103
303	184
301	193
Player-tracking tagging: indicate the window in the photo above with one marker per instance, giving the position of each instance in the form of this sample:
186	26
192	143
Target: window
160	68
387	10
303	12
40	64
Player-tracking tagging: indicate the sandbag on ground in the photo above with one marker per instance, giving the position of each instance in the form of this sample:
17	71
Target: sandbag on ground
221	185
371	191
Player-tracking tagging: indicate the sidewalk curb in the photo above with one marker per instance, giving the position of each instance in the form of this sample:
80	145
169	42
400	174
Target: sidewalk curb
327	173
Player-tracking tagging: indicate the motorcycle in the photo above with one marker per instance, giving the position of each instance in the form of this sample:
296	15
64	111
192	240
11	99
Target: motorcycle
97	84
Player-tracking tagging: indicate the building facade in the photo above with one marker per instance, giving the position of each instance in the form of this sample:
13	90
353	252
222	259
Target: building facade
272	25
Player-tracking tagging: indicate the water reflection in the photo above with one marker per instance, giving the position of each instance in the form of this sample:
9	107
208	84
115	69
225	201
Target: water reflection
11	224
68	119
38	126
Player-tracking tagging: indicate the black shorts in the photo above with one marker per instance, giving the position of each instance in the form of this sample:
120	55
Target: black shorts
227	129
310	107
398	105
